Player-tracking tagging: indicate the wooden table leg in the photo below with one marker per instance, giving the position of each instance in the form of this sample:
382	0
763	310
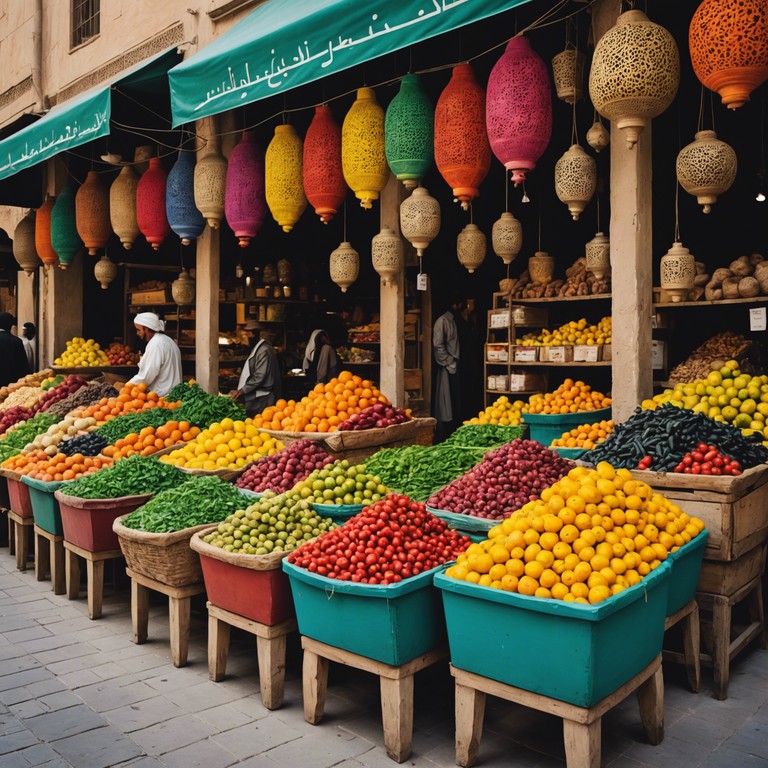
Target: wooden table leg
397	716
21	545
42	557
692	648
218	648
650	696
314	686
271	655
95	579
58	578
582	743
72	574
179	610
721	652
757	611
139	611
11	539
470	712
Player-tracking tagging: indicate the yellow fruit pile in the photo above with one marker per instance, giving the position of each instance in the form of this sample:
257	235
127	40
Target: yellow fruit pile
589	536
573	332
503	411
570	397
224	445
585	435
81	353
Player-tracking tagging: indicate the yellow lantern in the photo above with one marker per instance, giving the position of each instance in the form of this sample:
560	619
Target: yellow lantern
283	177
363	155
122	206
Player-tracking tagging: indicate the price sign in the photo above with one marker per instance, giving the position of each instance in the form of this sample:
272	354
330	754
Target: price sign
757	319
421	281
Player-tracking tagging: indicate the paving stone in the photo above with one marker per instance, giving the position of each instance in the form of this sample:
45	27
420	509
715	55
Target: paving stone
62	724
33	691
26	709
205	695
732	758
39	754
78	678
751	739
142	762
143	714
172	734
261	761
17	740
111	695
257	737
18	664
325	752
25	677
9	722
204	754
100	748
224	717
64	652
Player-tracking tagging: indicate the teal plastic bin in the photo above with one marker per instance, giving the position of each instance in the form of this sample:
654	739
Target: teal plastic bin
685	565
391	623
467	523
45	507
339	513
567	651
569	453
545	427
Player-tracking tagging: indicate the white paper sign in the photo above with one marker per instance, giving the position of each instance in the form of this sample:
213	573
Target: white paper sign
421	281
499	320
757	319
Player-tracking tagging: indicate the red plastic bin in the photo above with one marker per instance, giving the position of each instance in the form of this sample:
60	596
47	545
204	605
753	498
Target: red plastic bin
18	495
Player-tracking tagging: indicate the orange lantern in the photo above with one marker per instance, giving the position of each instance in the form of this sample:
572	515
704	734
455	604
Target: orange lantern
324	183
728	40
43	233
92	213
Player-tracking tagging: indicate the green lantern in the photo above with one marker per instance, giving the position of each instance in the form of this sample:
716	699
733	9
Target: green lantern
409	132
64	238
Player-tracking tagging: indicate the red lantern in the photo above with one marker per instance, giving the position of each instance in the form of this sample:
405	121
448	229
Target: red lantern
43	233
150	204
245	205
519	108
92	213
324	183
462	152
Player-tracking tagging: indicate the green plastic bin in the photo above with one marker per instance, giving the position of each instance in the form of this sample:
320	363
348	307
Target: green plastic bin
339	513
545	427
567	651
466	523
685	565
45	507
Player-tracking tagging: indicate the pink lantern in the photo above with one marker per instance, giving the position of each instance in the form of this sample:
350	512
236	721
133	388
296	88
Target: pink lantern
519	108
150	204
324	183
244	203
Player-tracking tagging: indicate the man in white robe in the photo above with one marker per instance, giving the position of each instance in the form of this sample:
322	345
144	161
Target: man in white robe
160	365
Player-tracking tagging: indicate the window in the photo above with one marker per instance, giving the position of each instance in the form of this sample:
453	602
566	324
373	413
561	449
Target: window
85	21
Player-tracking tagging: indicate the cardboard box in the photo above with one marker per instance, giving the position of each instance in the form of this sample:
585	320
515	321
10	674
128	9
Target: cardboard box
526	382
531	317
497	353
557	354
607	352
526	354
658	354
585	353
147	298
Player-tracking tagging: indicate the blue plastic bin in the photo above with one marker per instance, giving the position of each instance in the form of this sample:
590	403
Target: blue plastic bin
546	427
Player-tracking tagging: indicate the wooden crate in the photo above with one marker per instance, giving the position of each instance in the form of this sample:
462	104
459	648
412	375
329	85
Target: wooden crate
719	577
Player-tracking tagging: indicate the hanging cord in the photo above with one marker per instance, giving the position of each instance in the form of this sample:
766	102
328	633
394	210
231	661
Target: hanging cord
506	192
598	211
712	108
677	212
700	123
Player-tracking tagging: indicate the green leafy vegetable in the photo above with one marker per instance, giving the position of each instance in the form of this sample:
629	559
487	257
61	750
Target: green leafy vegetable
129	423
14	440
201	409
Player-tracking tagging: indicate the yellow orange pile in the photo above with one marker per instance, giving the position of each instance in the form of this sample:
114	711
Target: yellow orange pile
585	435
152	439
131	398
570	397
40	466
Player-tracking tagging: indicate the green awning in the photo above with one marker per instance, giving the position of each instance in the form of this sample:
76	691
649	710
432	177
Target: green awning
78	120
284	43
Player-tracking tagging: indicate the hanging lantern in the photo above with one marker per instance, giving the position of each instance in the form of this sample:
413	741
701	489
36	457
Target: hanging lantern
209	184
150	204
43	233
24	244
64	238
420	219
344	266
598	255
541	267
519	108
598	137
678	270
122	206
183	217
363	158
324	183
244	204
92	213
507	237
183	289
729	47
471	247
462	152
105	271
568	73
283	177
387	255
575	179
409	132
635	73
706	168
141	157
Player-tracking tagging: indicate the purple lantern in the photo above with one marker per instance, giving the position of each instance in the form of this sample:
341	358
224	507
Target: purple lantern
244	203
518	110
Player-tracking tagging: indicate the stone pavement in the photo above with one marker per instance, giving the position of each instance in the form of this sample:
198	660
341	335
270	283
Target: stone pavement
78	693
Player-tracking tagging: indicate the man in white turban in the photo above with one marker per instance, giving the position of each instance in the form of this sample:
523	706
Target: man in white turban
160	365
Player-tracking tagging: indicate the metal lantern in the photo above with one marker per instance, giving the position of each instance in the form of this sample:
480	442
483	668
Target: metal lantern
105	271
122	206
64	238
43	244
507	237
324	183
363	157
283	177
420	219
344	266
92	213
471	247
635	73
678	271
519	108
728	41
409	132
462	151
568	73
209	184
150	204
575	179
597	136
387	254
598	255
244	203
706	168
183	289
24	244
183	217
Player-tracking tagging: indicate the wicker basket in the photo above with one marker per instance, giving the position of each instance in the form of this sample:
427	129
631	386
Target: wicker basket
268	562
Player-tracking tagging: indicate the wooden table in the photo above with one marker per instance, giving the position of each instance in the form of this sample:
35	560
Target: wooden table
581	725
270	650
689	615
94	562
18	534
396	689
178	612
49	555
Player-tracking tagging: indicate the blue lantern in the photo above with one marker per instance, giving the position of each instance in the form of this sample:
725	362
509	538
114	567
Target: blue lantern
183	217
64	238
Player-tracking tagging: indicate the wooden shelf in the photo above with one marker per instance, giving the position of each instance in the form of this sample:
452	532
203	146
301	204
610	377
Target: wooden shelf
540	364
520	392
555	299
704	303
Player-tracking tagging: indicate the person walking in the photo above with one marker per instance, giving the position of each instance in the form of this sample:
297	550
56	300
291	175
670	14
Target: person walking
13	358
320	363
160	365
447	352
28	333
260	384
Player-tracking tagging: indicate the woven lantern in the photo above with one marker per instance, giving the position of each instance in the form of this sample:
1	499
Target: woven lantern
324	183
635	73
728	40
24	244
471	247
462	152
420	219
105	271
598	255
244	204
363	158
283	177
92	213
575	179
209	184
597	136
568	73
541	267
519	108
150	204
43	233
409	132
64	238
387	255
507	237
678	271
183	217
706	168
183	289
344	266
122	206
